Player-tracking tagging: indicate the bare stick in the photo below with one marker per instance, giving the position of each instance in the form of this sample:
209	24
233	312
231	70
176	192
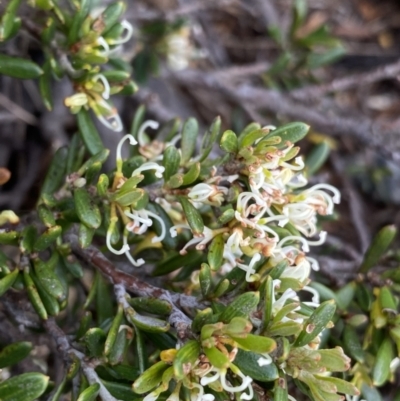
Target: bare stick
353	81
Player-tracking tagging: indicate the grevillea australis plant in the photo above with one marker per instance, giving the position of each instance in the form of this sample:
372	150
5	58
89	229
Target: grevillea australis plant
234	230
185	271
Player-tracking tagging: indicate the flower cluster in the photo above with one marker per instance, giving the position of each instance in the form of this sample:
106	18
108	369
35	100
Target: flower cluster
97	43
267	221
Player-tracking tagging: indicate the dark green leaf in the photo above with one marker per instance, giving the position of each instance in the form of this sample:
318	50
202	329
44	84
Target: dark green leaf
316	323
192	215
19	67
189	137
88	132
25	387
14	353
380	244
229	142
247	362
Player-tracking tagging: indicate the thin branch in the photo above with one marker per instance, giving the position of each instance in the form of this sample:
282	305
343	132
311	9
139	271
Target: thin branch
177	318
65	347
17	111
350	82
94	257
355	204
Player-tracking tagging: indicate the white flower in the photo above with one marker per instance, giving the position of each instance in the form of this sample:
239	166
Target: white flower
132	141
208	194
141	136
150	166
250	272
264	361
221	376
125	36
104	81
200	239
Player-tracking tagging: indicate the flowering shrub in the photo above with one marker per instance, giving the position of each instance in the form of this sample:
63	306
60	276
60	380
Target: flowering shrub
185	271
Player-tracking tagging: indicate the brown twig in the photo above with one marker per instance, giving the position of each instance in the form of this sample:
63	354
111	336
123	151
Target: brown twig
355	205
65	347
94	257
346	83
17	110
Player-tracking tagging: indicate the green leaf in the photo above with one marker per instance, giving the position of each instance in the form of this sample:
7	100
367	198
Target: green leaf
88	132
72	265
85	235
120	347
138	120
189	136
14	353
370	393
50	303
216	252
242	306
7	281
98	158
292	132
252	137
186	356
88	212
205	279
47	238
381	369
317	157
146	323
210	138
45	85
249	128
247	362
56	172
46	216
110	16
48	278
19	67
316	323
345	295
316	60
342	386
217	358
150	378
129	196
255	343
112	334
8	21
90	393
380	244
334	359
299	15
352	344
177	261
8	237
226	216
33	295
94	340
280	390
229	142
192	174
192	215
171	162
151	305
25	387
120	391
